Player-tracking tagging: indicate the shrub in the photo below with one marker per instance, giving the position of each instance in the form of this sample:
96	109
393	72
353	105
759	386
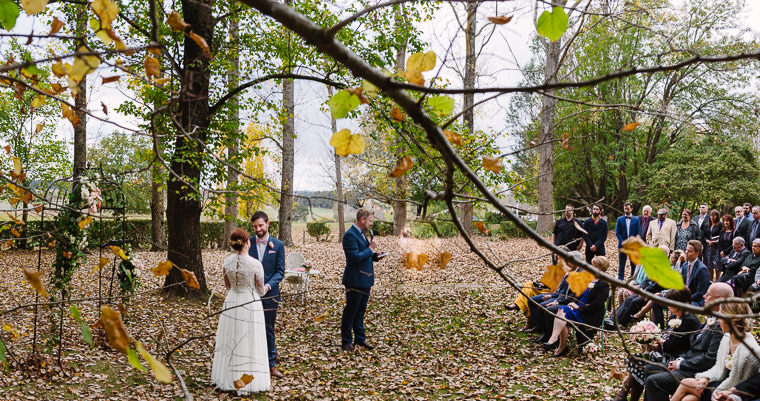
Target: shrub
382	228
494	217
318	230
510	230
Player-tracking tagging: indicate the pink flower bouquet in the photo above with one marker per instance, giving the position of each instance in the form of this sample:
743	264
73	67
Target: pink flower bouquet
644	332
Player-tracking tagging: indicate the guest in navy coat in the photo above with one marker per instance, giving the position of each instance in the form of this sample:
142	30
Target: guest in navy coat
358	278
627	226
596	227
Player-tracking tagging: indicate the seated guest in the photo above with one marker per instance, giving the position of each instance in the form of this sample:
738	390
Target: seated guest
695	273
673	342
639	276
734	260
703	349
633	304
734	364
529	290
588	308
543	307
747	390
676	259
747	277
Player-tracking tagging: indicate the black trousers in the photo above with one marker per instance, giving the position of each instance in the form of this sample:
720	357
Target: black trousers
660	386
630	306
352	321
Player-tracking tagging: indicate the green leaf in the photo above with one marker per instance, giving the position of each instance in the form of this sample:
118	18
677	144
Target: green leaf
343	102
8	14
552	24
369	88
86	334
441	105
657	268
3	359
75	312
134	360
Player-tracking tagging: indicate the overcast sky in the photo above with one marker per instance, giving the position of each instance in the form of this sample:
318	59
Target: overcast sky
499	64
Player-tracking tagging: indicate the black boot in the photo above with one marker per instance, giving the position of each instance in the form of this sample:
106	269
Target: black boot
622	395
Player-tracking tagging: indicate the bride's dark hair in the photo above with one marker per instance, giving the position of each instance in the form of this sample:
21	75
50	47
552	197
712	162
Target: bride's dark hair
238	238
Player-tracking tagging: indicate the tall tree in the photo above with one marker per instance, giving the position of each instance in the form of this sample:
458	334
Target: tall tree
80	99
468	115
399	203
230	198
338	180
288	150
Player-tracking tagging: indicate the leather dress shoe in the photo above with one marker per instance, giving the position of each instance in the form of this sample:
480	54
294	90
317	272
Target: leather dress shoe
275	373
530	329
347	347
551	346
365	345
609	324
540	339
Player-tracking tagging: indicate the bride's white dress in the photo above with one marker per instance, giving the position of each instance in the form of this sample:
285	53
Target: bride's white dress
241	344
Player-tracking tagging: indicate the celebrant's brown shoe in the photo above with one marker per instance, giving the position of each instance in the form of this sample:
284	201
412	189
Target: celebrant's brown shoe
275	373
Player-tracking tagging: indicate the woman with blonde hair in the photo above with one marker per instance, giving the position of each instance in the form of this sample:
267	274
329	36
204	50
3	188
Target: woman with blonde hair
736	360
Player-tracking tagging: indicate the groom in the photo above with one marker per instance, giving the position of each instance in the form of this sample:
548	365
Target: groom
271	253
358	278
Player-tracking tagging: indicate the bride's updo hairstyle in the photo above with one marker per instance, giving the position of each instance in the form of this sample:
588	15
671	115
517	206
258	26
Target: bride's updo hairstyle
238	238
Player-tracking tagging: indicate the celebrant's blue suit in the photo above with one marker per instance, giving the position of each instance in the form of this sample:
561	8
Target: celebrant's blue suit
358	278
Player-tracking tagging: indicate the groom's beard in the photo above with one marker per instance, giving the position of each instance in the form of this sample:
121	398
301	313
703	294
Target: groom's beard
262	235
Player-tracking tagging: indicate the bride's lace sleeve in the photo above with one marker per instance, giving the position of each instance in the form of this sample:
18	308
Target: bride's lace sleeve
258	279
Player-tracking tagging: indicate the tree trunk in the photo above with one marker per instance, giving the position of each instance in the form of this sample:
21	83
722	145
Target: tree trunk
399	205
230	198
286	180
157	198
80	103
468	116
184	203
546	140
338	179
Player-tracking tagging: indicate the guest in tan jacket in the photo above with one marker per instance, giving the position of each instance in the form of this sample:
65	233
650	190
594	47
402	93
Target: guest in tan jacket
662	231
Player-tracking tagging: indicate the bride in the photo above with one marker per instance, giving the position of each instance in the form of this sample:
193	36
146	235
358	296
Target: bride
241	344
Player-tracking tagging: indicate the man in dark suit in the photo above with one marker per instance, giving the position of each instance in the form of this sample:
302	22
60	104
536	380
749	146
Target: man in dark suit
700	356
735	260
271	253
695	273
597	228
747	276
742	224
627	226
358	278
754	225
566	232
703	222
644	220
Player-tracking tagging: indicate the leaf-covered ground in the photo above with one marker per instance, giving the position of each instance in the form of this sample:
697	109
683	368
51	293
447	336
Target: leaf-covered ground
440	334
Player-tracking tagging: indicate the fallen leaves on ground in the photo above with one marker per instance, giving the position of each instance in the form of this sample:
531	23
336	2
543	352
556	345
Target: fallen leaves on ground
440	334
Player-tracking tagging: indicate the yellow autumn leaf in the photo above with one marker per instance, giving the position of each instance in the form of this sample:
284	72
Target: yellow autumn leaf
39	101
83	65
33	6
445	258
106	10
481	227
403	165
190	279
243	381
201	42
421	260
492	163
151	66
33	277
160	371
578	281
553	275
176	22
101	264
632	247
17	168
322	316
410	260
346	143
631	126
84	222
39	128
421	62
163	268
453	137
118	252
415	77
10	329
69	114
114	327
59	69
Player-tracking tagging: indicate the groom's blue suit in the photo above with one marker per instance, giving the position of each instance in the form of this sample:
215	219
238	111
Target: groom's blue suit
358	278
274	270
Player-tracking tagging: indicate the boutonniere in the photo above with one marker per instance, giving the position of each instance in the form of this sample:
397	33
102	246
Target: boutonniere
271	244
674	323
711	321
591	284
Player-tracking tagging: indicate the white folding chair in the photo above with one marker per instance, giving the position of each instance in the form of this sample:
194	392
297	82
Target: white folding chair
300	282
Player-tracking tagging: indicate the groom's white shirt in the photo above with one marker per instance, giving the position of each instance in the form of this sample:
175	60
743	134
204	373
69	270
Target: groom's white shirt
261	248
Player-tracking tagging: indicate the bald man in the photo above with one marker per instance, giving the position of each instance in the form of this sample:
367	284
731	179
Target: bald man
700	357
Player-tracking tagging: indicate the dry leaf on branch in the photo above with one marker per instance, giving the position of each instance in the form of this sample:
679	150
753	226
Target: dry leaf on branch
33	277
114	328
190	279
501	19
176	22
403	165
